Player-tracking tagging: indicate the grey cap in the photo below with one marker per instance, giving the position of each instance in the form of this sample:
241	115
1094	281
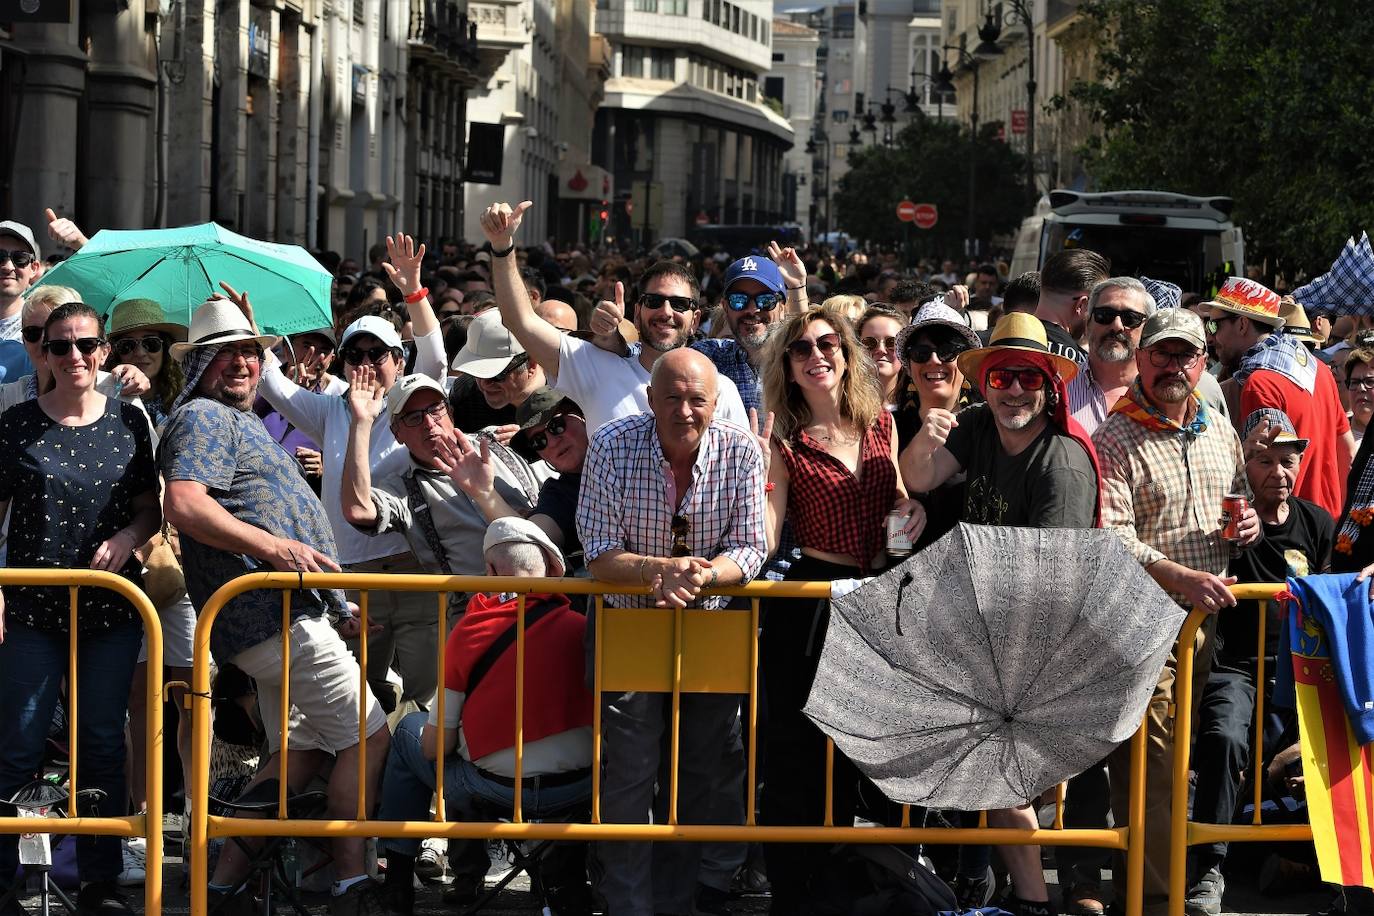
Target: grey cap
24	232
1173	324
512	530
1288	435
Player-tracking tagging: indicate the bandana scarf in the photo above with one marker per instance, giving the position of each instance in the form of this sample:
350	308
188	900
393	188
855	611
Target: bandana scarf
1138	408
1060	415
193	367
1361	511
1284	354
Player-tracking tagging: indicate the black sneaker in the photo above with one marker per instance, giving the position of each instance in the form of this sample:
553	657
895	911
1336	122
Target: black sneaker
463	891
710	901
102	898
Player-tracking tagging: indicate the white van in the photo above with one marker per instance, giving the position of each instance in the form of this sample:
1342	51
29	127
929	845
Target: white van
1186	240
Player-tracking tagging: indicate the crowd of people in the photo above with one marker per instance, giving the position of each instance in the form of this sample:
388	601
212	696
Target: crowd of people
675	425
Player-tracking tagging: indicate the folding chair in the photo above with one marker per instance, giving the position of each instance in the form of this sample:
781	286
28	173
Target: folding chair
528	857
267	865
44	798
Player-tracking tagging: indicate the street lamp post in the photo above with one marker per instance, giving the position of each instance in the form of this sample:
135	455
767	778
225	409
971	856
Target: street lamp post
1022	10
987	48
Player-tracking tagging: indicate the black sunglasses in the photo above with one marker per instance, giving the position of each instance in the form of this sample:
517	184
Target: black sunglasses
355	356
764	302
681	528
921	353
19	259
802	348
86	346
126	345
1129	319
654	301
555	427
33	333
516	362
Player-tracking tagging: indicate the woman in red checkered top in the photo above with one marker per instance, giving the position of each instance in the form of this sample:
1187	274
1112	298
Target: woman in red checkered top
832	472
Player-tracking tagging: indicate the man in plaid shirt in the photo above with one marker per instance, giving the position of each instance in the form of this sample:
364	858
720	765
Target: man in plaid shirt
1167	461
672	499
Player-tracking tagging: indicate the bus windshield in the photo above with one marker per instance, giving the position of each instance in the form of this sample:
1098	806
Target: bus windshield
1187	257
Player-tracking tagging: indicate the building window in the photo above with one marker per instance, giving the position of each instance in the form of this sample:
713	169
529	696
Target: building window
764	32
632	61
843	22
751	92
674	7
839	116
734	19
779	57
661	63
646	6
774	87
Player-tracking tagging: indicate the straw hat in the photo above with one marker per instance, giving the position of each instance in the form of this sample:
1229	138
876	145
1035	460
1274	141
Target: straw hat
216	322
1295	320
1248	299
143	315
1015	331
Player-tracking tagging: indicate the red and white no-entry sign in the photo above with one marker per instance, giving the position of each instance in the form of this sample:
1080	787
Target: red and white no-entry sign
906	211
925	216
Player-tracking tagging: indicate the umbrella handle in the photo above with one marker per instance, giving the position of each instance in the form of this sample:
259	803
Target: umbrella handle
897	609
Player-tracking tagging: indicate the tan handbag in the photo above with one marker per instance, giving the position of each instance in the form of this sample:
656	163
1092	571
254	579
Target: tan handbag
163	580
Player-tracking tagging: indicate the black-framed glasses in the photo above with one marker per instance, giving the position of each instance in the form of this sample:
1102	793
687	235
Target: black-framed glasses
414	418
85	345
20	258
1030	379
33	333
1161	359
356	356
1364	383
879	343
764	302
516	362
921	353
1214	323
555	427
802	348
654	301
127	345
682	529
1129	318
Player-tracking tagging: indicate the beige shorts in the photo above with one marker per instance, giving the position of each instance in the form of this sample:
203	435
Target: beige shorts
178	634
324	689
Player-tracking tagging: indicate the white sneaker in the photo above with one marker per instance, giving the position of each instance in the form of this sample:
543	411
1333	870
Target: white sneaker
431	861
135	853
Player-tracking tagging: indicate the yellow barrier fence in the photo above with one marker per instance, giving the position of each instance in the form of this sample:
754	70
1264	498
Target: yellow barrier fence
1185	833
149	824
653	650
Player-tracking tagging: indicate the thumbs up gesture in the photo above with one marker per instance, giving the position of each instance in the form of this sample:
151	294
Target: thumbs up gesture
63	231
607	317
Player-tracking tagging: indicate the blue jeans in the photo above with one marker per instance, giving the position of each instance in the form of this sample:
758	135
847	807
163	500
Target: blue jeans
33	667
408	788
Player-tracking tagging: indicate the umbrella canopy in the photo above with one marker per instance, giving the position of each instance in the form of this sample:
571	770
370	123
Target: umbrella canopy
993	665
1348	287
675	248
181	268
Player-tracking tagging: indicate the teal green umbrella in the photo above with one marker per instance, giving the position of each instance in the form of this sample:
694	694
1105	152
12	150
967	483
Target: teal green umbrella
181	268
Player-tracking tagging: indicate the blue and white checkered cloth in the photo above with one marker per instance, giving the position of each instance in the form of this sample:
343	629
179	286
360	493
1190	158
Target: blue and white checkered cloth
1348	287
1166	295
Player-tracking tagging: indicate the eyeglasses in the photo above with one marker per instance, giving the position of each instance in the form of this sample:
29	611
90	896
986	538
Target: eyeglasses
1161	359
250	354
802	348
414	418
1030	379
555	427
150	344
681	528
879	343
920	353
1364	383
516	362
1214	323
355	356
653	301
86	346
20	259
764	302
33	333
1129	319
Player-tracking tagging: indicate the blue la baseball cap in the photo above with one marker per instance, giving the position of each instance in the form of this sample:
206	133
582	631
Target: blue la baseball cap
755	267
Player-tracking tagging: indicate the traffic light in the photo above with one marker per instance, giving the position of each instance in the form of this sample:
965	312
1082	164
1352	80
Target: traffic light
605	210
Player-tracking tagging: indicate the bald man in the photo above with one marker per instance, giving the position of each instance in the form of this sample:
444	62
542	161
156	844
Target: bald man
672	499
557	313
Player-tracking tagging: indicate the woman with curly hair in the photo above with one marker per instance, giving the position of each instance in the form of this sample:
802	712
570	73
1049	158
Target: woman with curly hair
832	472
140	336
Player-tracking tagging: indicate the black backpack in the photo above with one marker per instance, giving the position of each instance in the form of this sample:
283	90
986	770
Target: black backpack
877	880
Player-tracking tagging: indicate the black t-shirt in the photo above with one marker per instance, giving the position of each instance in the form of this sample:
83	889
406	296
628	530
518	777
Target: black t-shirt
1062	343
558	500
471	411
1298	546
1362	550
1050	484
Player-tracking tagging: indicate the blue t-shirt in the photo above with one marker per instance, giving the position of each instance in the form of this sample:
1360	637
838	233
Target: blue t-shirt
257	482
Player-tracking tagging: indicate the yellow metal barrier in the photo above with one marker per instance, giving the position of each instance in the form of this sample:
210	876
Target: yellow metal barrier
644	649
149	824
1185	833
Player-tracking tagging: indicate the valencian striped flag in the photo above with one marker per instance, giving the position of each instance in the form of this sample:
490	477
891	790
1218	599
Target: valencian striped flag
1338	770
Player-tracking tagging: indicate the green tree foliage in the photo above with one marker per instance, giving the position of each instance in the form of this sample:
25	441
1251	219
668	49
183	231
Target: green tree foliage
928	162
1268	103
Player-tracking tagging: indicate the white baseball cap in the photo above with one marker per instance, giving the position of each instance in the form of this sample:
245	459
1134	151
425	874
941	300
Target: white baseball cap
489	349
378	327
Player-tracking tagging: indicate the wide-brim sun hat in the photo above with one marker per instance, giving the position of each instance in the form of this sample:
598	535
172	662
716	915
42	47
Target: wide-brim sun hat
218	321
1015	331
489	348
932	316
143	315
1248	299
1295	321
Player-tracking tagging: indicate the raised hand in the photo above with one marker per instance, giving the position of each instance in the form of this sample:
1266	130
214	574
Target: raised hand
789	264
763	434
403	262
500	222
605	321
935	429
468	466
957	297
63	231
241	300
366	399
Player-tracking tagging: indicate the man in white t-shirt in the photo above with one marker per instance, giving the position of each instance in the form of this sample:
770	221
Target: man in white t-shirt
608	386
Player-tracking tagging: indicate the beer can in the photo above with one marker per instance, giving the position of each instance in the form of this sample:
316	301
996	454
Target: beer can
1233	507
898	544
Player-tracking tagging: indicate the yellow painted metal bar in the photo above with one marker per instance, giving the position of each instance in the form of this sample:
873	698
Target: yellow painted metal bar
285	701
362	705
439	708
517	812
1258	746
72	694
596	709
1059	792
983	820
675	723
1183	730
752	776
829	783
1135	805
906	815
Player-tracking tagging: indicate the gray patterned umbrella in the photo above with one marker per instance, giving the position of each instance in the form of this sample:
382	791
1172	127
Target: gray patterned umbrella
993	665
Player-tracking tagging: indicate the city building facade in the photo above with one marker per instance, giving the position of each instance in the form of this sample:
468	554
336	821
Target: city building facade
792	83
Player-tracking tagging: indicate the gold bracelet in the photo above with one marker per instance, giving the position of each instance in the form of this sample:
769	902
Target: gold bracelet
643	561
